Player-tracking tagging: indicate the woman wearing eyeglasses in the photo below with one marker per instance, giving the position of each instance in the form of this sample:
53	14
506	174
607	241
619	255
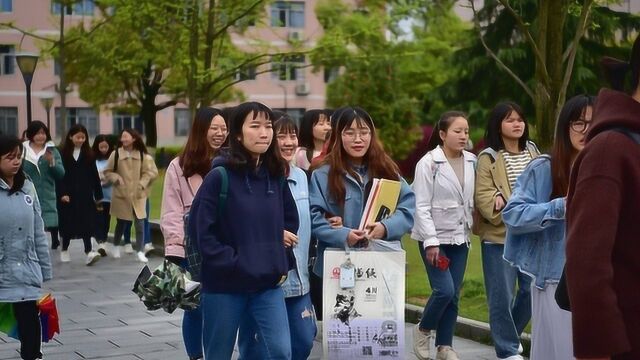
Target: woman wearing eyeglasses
338	187
535	220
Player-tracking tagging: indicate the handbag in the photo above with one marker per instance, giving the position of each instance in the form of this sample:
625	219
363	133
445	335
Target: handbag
562	293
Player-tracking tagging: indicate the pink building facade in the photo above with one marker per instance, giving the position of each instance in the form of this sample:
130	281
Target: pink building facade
296	89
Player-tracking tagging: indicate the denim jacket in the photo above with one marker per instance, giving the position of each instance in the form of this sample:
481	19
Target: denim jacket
322	203
535	241
297	283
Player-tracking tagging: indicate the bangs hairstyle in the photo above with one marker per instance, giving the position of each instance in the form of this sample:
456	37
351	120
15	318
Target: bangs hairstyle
379	164
493	133
197	154
34	128
284	125
68	146
309	120
95	148
239	156
12	146
562	151
443	124
138	143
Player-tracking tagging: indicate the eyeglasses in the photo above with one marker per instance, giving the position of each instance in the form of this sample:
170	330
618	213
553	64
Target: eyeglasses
352	134
580	125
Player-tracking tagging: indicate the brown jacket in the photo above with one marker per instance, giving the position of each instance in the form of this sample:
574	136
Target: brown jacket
491	180
603	234
130	184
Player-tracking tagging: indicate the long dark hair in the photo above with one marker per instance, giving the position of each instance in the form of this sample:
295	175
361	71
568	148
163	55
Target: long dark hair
96	150
443	125
11	145
138	143
562	152
309	120
196	156
67	145
379	164
34	127
240	158
493	132
616	71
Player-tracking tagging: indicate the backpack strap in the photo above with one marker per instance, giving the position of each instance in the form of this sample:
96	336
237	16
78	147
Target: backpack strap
115	161
224	189
630	134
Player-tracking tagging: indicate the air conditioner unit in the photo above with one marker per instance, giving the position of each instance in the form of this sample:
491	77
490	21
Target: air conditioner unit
303	89
294	36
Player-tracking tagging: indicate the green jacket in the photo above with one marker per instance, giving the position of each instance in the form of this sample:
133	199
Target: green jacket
44	177
491	180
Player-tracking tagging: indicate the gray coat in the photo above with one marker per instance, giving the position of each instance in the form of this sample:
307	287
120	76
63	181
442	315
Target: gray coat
24	253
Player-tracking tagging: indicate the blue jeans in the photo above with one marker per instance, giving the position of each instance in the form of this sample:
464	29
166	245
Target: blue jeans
508	314
441	311
302	326
222	314
147	227
192	328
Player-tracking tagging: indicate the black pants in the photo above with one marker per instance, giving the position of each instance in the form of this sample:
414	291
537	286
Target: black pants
120	226
85	239
55	242
28	319
103	220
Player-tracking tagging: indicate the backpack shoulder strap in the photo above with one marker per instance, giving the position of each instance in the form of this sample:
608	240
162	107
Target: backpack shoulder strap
115	160
224	189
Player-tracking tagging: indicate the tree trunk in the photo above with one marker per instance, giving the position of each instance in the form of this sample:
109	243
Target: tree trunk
63	83
192	83
148	115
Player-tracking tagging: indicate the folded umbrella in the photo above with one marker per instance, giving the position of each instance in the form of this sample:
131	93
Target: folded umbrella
167	288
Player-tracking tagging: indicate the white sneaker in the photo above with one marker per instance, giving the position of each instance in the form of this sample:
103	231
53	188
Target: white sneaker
513	357
520	349
116	251
92	257
142	258
148	248
64	256
446	353
128	249
102	249
422	343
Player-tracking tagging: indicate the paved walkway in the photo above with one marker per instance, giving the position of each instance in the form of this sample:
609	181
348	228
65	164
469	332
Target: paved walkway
102	319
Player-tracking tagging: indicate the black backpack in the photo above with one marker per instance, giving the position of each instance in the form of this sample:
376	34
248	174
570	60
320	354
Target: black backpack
562	293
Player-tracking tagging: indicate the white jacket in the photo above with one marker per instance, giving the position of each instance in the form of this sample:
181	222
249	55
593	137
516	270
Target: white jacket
444	211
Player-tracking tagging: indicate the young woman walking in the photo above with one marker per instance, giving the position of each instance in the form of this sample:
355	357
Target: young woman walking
131	170
499	165
102	149
444	186
25	261
80	193
43	165
183	178
300	312
535	220
241	243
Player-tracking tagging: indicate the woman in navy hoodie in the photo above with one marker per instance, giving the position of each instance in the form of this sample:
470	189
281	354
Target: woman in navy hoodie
244	260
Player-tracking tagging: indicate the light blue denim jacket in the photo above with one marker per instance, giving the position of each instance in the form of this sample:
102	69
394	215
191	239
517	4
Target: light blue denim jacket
398	224
535	241
297	283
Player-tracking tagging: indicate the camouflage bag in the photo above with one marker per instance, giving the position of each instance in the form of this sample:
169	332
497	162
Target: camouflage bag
169	287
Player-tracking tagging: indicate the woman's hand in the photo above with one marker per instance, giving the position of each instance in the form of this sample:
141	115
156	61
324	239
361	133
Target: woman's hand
357	236
335	222
49	157
431	254
376	231
65	199
290	239
500	203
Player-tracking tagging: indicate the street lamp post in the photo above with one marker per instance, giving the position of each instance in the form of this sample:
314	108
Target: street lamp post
47	102
27	64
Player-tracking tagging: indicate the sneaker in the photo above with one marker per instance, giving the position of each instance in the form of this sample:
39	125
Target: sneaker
102	249
116	251
64	256
520	349
92	257
446	353
142	258
128	249
148	248
513	357
422	343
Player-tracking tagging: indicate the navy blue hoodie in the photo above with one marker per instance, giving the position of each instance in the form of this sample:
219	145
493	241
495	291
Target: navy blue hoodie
243	251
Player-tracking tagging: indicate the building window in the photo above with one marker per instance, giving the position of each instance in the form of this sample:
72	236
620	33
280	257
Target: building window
287	14
248	73
83	116
331	74
6	6
291	68
57	68
295	114
9	121
82	7
182	122
123	121
7	64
